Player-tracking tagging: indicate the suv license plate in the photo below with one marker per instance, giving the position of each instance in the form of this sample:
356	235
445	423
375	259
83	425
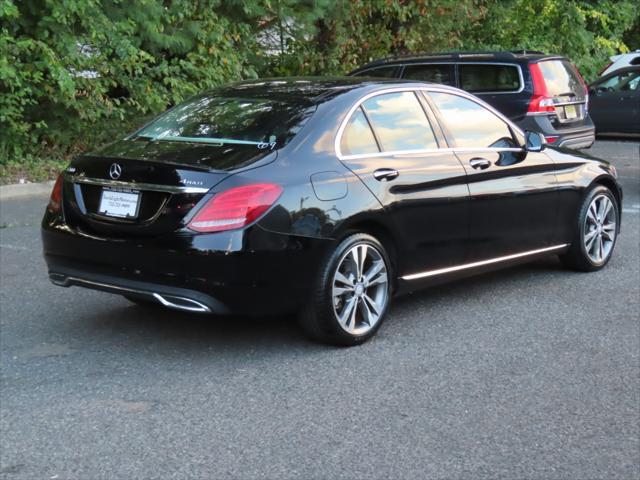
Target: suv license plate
570	112
114	203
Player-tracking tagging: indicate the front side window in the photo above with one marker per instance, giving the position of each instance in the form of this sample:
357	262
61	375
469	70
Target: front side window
399	122
436	73
624	82
223	120
480	78
357	137
471	124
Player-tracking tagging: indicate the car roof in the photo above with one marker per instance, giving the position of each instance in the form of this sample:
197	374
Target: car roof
478	56
617	71
312	90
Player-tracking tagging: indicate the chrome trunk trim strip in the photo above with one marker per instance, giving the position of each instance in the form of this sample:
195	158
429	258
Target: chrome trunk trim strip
154	187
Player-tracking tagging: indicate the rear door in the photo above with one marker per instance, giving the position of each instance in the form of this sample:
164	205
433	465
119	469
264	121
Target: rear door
501	85
390	142
514	205
615	102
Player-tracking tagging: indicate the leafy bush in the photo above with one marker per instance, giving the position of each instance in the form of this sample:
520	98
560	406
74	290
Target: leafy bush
78	73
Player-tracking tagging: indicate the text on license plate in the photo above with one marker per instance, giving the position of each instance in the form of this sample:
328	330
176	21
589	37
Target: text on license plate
119	204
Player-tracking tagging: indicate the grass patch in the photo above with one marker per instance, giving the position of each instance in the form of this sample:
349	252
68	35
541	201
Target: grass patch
31	170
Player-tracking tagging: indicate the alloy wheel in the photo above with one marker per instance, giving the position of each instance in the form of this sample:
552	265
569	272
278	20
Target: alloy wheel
599	229
360	289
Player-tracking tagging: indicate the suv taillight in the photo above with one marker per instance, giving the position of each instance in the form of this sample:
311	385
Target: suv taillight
541	101
55	201
235	208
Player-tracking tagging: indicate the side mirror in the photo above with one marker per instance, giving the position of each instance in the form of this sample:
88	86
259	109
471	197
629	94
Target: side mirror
534	141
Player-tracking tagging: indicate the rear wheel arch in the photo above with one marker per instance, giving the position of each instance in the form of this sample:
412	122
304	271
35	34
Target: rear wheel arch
382	233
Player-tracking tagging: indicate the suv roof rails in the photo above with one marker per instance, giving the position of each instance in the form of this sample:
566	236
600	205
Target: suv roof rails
456	55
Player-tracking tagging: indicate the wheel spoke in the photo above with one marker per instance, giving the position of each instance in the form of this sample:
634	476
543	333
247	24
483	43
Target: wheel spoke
374	306
345	316
366	313
339	277
607	209
373	271
362	258
589	236
592	214
599	252
589	243
352	317
337	291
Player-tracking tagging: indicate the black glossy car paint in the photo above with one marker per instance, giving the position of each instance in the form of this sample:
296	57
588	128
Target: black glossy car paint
437	213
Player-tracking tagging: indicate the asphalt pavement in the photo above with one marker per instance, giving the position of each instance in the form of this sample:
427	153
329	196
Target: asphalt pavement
531	372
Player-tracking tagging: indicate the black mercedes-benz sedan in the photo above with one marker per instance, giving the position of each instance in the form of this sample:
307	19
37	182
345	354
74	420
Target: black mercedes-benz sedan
322	196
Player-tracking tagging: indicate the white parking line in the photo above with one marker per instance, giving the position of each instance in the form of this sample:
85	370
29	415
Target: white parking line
14	247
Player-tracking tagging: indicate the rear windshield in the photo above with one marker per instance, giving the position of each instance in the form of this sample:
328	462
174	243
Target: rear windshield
489	78
561	78
221	120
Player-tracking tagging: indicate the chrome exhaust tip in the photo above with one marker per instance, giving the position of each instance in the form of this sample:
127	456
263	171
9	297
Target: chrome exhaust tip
181	303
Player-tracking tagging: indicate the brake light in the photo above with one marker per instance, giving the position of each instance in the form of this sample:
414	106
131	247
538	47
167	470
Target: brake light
55	201
551	138
541	101
235	208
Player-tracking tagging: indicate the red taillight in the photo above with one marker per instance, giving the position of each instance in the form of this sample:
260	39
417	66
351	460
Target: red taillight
55	201
551	138
235	208
541	101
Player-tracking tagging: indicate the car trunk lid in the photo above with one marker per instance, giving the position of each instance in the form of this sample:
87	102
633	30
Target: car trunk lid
142	187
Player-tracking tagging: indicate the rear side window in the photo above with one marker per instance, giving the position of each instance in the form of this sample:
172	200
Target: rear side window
489	78
357	137
472	125
561	78
383	72
435	73
399	122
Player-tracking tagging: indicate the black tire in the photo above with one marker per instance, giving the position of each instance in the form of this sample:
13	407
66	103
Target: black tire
319	319
577	258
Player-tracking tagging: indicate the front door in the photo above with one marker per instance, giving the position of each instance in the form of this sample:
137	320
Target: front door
615	103
513	193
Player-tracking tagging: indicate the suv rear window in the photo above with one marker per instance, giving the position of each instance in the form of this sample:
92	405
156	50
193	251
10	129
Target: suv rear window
489	78
561	78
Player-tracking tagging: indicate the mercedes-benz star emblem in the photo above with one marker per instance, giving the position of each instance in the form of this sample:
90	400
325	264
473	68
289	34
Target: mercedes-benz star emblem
115	171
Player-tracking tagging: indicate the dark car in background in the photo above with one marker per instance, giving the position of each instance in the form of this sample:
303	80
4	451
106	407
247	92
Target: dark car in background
615	101
323	196
539	92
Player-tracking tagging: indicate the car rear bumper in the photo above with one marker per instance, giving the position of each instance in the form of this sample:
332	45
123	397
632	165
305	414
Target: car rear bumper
258	273
579	136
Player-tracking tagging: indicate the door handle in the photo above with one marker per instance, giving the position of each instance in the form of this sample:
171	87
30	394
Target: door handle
480	163
382	174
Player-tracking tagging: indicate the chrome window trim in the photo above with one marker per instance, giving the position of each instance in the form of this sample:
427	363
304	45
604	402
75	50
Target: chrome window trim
435	88
154	187
441	271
